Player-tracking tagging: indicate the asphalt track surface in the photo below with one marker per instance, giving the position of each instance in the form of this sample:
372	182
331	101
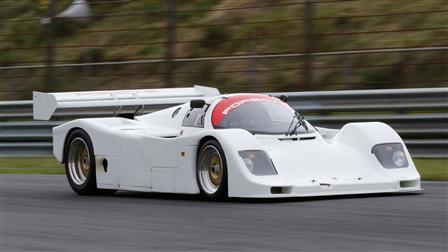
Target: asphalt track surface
41	213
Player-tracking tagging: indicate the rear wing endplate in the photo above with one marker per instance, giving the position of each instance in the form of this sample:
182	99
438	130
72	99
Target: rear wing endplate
46	104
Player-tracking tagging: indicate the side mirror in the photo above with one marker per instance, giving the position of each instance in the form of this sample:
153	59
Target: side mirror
283	98
197	104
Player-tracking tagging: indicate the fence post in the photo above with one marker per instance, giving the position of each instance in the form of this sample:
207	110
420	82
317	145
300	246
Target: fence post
309	48
170	42
50	46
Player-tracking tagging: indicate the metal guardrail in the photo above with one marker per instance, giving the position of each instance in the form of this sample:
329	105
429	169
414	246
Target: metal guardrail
420	116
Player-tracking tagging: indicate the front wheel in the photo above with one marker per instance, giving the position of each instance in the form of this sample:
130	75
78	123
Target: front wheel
211	170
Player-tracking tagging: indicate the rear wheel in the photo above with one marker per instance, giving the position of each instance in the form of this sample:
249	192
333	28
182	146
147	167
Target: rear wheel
80	164
211	171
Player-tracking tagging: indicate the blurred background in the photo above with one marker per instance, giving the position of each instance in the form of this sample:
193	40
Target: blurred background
234	45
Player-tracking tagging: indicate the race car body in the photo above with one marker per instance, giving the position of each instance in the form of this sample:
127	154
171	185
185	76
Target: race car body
239	145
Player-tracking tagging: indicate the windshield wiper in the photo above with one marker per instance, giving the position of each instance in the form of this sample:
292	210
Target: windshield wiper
140	110
297	120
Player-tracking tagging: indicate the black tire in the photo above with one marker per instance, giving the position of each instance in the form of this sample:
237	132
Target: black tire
82	181
221	190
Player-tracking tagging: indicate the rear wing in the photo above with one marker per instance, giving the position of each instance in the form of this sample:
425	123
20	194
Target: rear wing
46	104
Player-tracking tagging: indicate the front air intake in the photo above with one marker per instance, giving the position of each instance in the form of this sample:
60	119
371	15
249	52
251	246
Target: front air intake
281	189
408	183
296	138
307	138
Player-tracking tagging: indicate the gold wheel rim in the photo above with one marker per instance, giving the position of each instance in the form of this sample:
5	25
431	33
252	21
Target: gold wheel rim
84	158
210	169
215	169
78	161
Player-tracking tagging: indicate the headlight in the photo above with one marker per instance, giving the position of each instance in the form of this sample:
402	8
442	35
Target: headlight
399	158
258	162
249	164
390	155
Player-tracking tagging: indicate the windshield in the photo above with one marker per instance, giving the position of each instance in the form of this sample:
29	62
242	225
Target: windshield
258	114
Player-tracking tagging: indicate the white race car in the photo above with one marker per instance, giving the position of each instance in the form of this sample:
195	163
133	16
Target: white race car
238	145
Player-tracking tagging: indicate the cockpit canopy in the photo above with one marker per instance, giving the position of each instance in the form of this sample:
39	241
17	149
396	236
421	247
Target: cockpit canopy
258	114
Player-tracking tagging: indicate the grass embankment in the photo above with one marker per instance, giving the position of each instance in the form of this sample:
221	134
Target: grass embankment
115	34
430	169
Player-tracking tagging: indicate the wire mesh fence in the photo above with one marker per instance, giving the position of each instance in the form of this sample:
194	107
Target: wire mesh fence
237	46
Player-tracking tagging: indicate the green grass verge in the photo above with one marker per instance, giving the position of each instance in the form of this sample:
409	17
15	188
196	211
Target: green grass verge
430	169
30	165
